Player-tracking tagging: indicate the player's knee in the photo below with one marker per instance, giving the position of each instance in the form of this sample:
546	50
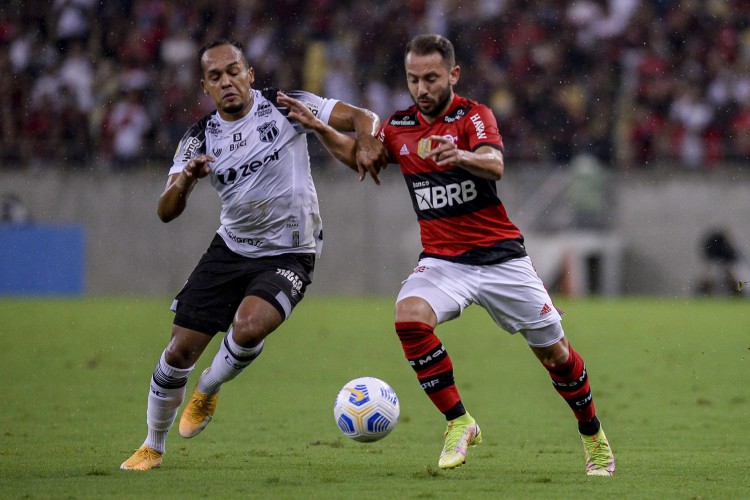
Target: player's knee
555	355
246	335
249	331
181	354
549	344
255	319
414	309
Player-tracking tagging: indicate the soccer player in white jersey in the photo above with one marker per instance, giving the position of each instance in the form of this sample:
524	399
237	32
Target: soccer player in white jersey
451	155
261	260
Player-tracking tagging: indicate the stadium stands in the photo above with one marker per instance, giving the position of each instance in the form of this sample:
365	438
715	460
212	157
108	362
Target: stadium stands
112	85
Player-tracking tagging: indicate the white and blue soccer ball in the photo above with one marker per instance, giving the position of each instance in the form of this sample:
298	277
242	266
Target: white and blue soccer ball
366	409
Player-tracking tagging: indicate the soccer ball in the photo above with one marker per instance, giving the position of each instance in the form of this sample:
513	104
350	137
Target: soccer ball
366	409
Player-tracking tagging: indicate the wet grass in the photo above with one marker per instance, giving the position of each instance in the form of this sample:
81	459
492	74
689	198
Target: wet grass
669	377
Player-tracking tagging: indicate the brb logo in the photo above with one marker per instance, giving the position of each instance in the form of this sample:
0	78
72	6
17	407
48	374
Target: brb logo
445	196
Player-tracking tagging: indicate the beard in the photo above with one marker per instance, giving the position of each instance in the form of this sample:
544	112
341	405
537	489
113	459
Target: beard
438	105
233	108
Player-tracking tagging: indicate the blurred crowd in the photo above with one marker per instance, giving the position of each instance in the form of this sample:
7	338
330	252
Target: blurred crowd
635	83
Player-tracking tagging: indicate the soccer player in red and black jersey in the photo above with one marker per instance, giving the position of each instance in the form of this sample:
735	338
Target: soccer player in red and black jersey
451	155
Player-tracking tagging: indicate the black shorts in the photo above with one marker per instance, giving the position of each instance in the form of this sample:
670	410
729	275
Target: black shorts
213	292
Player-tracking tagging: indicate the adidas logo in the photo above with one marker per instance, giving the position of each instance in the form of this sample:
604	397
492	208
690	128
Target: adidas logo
545	310
404	150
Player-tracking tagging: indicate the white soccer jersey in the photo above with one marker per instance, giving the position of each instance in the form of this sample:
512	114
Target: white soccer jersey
262	174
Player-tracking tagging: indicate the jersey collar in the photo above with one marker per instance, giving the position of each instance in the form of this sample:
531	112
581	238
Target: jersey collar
248	116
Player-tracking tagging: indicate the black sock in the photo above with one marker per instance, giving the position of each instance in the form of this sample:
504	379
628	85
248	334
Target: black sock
455	412
589	428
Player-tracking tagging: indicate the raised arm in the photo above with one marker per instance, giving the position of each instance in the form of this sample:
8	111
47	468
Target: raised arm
486	162
361	155
173	200
371	155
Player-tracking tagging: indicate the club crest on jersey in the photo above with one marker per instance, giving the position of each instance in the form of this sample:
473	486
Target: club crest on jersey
216	152
268	131
424	147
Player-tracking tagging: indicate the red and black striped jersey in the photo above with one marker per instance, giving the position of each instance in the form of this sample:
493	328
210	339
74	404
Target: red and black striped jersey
461	217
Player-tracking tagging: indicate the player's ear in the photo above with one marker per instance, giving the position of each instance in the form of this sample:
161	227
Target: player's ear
203	86
454	75
251	74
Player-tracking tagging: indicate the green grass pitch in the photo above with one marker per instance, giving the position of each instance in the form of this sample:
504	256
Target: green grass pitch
670	378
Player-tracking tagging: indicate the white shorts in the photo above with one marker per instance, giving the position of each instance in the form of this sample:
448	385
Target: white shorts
511	292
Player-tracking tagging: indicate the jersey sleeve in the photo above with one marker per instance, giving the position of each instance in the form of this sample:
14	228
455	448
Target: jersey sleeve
383	136
320	107
481	129
192	144
381	132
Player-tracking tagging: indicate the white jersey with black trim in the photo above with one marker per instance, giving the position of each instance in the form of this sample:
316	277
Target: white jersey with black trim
262	174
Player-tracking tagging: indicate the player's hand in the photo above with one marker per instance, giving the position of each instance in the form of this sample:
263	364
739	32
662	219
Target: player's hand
298	111
198	167
446	153
371	157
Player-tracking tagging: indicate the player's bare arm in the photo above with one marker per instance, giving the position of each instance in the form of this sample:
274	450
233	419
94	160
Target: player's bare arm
173	200
370	152
485	162
371	157
343	147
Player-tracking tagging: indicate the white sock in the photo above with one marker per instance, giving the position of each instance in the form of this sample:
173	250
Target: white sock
227	364
165	396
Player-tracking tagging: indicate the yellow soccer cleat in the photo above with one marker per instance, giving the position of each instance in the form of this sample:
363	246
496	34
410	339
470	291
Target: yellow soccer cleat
197	413
460	434
144	458
599	458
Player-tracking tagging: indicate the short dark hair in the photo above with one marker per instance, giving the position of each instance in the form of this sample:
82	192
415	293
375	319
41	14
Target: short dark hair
427	44
218	42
